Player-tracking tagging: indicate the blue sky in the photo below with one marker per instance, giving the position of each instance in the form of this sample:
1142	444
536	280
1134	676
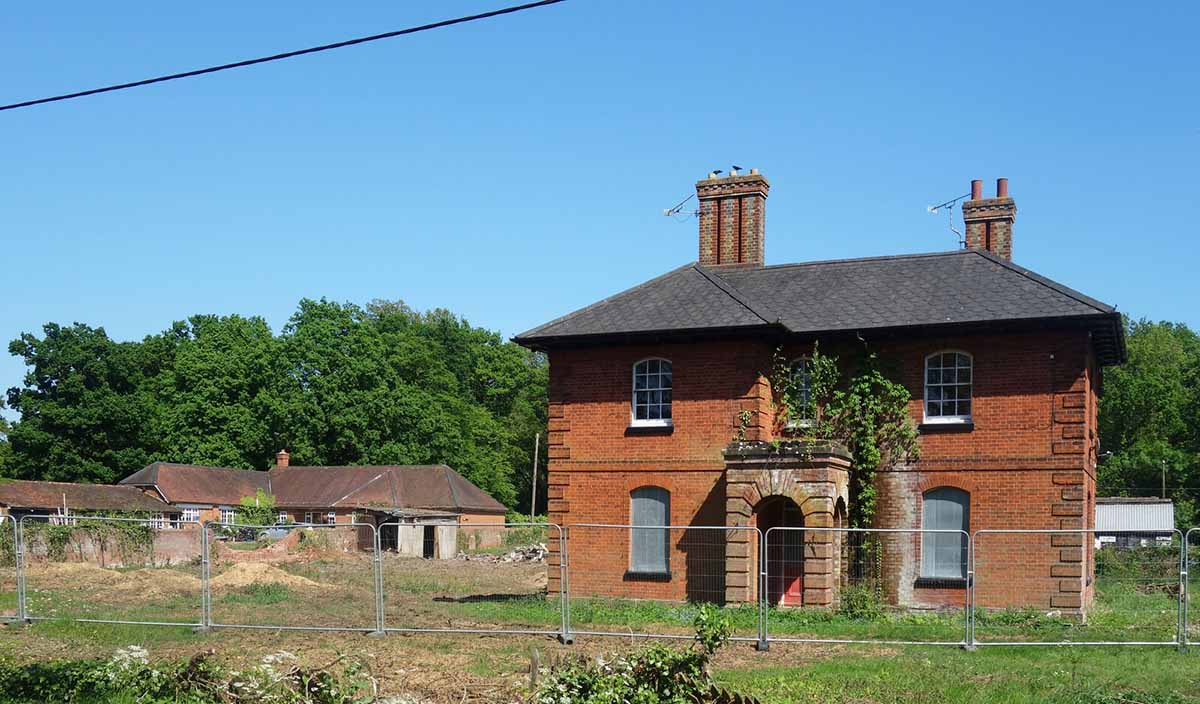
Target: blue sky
515	169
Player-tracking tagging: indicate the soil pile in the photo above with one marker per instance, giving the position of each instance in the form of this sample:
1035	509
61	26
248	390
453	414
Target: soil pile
243	574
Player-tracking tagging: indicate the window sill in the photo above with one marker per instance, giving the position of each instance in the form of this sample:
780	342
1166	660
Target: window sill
947	427
631	576
650	429
940	583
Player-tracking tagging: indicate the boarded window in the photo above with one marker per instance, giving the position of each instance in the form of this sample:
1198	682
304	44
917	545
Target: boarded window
648	546
944	554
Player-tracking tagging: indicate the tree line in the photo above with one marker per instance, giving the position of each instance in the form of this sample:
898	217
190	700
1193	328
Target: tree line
1150	418
340	384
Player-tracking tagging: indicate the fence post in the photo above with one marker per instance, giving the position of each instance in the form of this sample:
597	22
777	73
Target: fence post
377	577
19	556
564	584
969	640
1181	615
763	644
1183	588
205	581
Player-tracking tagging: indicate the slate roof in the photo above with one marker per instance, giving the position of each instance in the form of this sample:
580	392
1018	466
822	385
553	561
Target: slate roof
417	487
49	496
962	287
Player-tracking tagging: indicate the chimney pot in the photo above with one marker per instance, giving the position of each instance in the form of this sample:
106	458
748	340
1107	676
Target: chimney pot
990	221
281	458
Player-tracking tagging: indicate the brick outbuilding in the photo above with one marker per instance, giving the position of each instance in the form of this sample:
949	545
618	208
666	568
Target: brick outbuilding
661	414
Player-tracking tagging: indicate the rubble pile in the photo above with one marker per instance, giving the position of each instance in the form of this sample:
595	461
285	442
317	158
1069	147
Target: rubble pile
526	553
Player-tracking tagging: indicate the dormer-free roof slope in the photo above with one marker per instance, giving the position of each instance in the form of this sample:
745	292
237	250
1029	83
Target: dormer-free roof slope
957	288
425	487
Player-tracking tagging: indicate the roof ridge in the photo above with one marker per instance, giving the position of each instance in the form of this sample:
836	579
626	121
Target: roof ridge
1045	281
450	483
359	488
856	260
762	310
601	302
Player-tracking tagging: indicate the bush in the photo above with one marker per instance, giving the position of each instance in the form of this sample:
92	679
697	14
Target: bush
129	676
860	602
1150	562
657	674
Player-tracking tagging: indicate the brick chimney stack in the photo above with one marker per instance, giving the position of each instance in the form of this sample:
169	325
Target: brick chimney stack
990	220
281	458
732	219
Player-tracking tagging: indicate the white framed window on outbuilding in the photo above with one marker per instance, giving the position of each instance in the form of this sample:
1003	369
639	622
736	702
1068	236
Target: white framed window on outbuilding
228	515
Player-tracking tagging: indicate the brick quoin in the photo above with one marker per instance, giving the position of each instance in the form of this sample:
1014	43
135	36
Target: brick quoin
1027	460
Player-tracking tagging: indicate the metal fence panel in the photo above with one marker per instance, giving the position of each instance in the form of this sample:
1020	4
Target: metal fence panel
859	585
292	577
1035	587
109	570
472	577
1188	583
8	569
638	581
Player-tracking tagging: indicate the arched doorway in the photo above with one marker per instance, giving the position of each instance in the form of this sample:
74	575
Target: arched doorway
784	550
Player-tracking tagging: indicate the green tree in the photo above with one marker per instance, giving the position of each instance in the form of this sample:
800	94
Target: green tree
257	510
1150	416
86	407
5	448
340	385
214	401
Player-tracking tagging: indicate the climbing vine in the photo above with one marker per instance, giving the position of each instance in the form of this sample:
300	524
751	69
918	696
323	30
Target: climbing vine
129	540
867	411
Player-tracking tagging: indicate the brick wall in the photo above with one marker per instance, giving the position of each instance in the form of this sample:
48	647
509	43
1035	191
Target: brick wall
1028	462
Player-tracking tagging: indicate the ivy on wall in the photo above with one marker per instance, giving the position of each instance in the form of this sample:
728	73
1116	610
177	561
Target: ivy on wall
863	408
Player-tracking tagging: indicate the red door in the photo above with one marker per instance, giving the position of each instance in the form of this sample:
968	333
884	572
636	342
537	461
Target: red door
785	555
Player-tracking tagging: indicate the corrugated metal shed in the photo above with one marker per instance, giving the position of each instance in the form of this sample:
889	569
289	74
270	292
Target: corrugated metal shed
1146	515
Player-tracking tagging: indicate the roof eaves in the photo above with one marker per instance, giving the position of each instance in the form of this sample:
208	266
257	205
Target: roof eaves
533	334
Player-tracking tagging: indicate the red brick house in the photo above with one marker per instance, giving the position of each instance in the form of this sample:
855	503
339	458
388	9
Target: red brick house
648	389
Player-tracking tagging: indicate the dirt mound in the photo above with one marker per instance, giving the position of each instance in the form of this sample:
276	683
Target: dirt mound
73	572
158	582
243	574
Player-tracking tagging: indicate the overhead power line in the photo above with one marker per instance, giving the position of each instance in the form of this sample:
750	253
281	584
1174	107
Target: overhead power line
285	55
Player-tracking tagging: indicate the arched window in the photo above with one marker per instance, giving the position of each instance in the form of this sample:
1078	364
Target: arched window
802	412
652	392
944	555
948	376
649	540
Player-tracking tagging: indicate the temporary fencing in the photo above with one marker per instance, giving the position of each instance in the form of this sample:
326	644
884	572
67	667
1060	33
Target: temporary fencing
110	570
296	576
626	580
1049	587
789	584
8	570
445	576
860	585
